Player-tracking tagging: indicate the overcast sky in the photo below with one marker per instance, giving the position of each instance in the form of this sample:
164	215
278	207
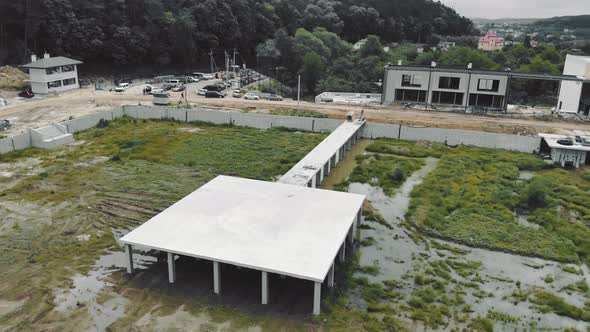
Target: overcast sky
519	8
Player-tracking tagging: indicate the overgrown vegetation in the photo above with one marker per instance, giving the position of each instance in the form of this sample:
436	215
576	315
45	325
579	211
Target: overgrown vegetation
82	190
387	172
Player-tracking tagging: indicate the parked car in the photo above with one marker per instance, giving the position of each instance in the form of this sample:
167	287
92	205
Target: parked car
192	79
214	94
123	80
121	87
203	76
156	91
251	96
161	98
179	88
214	87
202	92
3	102
237	94
273	97
26	94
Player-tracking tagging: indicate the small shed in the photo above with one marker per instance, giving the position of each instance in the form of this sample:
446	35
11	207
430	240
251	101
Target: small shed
566	150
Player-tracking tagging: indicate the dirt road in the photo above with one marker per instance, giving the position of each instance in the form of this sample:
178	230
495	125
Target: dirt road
44	110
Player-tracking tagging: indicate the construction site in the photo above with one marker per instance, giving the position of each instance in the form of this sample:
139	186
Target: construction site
230	214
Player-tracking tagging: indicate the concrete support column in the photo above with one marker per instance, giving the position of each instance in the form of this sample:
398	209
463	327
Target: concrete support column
171	268
264	287
313	183
216	278
317	297
337	157
322	175
342	253
331	276
129	255
328	167
342	153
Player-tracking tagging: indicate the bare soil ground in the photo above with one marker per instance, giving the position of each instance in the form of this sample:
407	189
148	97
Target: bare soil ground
40	111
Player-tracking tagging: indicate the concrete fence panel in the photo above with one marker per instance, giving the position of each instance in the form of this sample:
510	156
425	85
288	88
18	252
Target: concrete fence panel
381	130
214	117
21	141
260	121
297	123
177	114
6	145
86	122
324	125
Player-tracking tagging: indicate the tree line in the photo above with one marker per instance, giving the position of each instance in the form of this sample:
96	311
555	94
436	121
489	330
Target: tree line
163	32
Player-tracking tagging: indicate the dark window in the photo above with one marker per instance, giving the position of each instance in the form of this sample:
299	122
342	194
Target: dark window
69	81
444	97
405	95
67	68
411	80
483	100
449	82
53	70
53	84
488	85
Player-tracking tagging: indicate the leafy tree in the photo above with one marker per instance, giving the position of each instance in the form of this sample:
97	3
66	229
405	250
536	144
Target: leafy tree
538	65
312	70
372	47
461	56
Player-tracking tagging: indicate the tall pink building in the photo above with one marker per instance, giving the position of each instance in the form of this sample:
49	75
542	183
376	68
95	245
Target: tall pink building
490	42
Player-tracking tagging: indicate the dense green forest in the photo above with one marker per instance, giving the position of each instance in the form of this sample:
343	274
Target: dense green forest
166	32
561	22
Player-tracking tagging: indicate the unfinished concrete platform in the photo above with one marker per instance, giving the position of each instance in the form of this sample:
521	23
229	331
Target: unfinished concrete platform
267	226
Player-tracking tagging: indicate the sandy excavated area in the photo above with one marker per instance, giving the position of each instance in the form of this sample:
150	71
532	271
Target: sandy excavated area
40	111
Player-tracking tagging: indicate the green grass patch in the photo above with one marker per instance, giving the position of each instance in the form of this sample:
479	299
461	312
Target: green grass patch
548	302
470	198
417	149
387	172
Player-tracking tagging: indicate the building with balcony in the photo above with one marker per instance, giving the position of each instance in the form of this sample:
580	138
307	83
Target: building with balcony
574	97
55	74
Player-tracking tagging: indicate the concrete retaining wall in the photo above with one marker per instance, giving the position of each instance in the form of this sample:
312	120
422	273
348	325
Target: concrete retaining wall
475	138
265	121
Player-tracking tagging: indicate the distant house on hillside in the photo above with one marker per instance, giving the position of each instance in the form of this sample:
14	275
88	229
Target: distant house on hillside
357	46
445	45
52	74
490	42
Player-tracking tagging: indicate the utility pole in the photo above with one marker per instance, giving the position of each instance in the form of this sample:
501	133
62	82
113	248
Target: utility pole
211	60
226	67
298	88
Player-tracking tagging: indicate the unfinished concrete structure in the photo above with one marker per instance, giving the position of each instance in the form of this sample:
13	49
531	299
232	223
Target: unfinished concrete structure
55	74
282	227
51	136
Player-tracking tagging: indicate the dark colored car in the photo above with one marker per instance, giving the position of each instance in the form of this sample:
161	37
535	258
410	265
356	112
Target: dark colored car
26	94
214	94
213	87
274	97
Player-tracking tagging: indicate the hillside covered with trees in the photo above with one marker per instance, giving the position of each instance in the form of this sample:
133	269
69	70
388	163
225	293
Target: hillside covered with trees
164	32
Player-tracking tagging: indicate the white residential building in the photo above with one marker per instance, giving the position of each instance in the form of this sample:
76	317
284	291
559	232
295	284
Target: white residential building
52	74
574	96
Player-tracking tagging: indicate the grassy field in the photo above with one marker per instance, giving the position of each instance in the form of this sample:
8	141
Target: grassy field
473	193
114	177
294	112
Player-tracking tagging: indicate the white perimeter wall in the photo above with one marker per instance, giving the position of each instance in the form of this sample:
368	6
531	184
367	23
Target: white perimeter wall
266	121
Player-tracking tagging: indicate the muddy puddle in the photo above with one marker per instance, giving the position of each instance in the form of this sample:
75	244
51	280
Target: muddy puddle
87	289
398	257
345	166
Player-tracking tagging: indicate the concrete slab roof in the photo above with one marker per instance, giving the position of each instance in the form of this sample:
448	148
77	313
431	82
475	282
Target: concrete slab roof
52	62
267	226
551	140
306	168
